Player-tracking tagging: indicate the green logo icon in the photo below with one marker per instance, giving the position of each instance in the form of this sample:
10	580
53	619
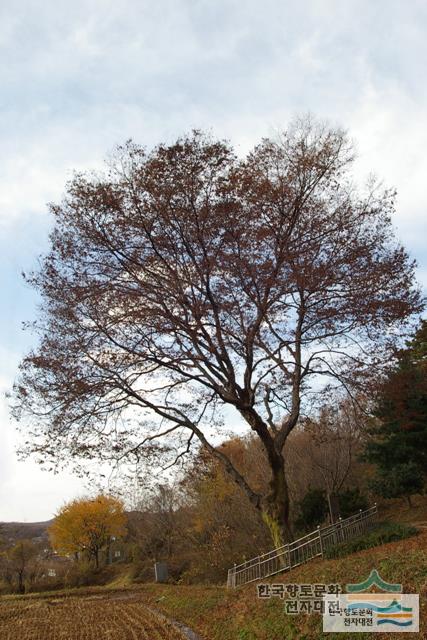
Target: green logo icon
374	580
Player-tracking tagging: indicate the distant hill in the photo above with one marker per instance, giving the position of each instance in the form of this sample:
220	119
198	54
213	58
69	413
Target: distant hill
11	532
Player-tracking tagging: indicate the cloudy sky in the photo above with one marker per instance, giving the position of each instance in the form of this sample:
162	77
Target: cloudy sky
78	78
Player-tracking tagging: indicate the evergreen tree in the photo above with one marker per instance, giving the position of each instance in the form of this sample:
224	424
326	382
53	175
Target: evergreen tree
399	438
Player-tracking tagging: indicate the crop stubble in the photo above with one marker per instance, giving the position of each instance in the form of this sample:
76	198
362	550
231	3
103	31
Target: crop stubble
82	619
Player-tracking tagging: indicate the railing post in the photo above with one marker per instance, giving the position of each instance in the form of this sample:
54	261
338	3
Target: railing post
319	531
303	549
234	576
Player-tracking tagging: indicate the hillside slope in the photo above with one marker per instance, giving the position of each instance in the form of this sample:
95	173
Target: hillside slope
220	614
11	532
216	613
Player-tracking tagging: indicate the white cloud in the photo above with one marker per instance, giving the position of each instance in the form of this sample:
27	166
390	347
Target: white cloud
391	142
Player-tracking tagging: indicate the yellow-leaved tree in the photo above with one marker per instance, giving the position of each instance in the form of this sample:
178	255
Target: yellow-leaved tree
88	525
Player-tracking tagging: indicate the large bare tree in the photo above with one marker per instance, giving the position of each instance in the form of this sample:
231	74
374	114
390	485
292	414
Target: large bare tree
186	280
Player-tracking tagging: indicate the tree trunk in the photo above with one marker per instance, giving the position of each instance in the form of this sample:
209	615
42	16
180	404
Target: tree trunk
21	584
96	554
275	506
408	498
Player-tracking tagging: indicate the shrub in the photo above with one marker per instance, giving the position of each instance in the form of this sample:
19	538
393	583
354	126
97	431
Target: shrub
384	532
312	510
351	501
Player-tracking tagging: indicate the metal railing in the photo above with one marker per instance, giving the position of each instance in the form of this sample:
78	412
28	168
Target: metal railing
295	553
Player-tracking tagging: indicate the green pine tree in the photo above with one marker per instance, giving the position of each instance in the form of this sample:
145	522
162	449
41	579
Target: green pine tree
398	444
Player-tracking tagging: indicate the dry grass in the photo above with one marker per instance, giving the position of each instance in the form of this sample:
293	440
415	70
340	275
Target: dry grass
220	614
214	612
99	617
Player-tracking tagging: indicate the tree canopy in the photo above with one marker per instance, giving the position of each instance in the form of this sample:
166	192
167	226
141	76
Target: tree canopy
87	525
19	563
186	280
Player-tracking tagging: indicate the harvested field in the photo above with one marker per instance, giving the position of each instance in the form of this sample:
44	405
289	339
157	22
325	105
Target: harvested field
83	618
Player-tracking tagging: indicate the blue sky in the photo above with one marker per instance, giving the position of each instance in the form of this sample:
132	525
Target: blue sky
78	78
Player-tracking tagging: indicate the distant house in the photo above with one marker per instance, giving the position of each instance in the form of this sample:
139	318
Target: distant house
55	566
